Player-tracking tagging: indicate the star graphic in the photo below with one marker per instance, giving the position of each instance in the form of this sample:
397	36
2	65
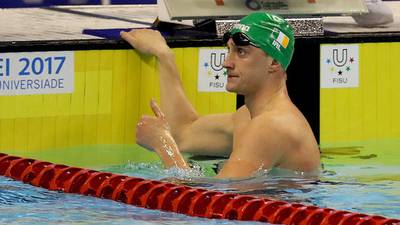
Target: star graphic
328	61
206	65
340	72
216	77
210	73
351	59
225	73
332	69
348	68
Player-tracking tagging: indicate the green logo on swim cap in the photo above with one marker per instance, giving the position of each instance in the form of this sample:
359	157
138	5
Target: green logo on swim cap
270	33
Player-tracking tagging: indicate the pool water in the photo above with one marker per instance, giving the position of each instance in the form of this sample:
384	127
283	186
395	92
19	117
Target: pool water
360	187
356	188
25	204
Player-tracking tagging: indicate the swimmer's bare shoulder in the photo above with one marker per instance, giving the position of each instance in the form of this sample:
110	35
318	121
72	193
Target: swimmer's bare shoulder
279	138
299	147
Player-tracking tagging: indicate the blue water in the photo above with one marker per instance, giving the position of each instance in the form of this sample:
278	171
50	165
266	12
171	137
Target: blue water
25	204
371	190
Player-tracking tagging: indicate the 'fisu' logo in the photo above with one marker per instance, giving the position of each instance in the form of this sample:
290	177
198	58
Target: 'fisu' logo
339	59
217	63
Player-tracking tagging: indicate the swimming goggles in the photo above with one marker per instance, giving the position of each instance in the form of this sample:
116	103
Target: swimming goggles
238	38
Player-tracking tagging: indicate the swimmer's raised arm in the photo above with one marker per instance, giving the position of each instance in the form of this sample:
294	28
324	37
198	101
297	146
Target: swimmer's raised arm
204	135
177	108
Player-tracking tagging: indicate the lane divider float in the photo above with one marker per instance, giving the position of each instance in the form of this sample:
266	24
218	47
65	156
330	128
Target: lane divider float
182	199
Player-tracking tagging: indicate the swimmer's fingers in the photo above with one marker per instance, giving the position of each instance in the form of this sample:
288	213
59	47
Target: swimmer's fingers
156	109
128	36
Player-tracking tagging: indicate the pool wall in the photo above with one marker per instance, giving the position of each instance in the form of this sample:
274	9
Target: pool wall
371	110
112	89
365	118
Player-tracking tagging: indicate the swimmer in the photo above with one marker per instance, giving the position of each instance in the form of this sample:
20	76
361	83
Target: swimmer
268	131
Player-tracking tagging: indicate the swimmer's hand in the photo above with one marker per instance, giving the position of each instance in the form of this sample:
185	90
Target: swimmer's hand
150	129
154	134
146	41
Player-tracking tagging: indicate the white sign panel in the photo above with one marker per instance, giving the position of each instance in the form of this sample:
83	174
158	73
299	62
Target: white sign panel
194	9
340	66
212	75
27	73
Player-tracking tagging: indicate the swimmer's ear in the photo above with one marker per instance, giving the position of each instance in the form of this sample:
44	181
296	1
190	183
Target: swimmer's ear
274	67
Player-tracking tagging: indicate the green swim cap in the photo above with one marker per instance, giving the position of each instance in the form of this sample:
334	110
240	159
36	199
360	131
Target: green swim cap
270	33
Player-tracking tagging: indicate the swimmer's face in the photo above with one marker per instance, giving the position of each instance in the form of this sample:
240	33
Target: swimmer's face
247	67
